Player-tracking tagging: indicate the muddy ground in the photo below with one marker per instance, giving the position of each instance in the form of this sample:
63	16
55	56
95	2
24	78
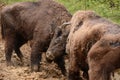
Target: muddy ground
21	71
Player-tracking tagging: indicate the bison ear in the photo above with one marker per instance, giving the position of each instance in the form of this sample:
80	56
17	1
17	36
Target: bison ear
80	23
78	26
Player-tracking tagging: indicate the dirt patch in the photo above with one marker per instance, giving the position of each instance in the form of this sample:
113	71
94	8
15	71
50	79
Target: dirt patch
21	71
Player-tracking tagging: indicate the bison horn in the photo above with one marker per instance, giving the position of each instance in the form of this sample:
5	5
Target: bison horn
65	24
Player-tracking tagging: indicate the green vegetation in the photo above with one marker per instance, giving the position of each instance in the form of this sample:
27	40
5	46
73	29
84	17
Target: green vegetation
106	8
13	1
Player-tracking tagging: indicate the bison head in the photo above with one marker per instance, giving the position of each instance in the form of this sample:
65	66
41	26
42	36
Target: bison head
58	43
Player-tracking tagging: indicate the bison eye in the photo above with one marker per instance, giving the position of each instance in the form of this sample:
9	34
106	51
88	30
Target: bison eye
59	33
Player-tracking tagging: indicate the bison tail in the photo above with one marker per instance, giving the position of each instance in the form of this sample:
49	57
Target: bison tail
6	24
2	26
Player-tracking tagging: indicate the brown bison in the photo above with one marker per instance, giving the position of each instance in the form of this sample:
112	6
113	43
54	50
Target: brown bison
92	41
36	21
58	42
56	51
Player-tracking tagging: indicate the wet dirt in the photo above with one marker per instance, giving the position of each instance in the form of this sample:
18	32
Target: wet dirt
21	71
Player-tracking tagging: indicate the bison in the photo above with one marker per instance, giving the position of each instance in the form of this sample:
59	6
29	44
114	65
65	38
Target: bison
93	43
56	52
34	22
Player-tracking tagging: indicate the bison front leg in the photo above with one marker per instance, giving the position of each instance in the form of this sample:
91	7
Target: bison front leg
73	73
102	61
98	71
61	64
35	57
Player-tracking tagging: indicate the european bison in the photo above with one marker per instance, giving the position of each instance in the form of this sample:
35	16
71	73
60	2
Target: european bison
31	21
92	41
58	42
56	50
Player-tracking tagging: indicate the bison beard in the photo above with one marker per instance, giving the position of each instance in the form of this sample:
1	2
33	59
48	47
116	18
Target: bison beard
31	21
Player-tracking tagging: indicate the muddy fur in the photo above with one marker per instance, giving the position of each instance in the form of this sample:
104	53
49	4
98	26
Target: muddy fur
94	42
34	22
56	50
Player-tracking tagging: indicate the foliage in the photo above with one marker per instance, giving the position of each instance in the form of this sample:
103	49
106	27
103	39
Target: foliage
13	1
106	8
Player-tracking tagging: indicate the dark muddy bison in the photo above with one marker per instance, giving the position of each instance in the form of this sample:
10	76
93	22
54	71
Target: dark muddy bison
58	43
56	51
31	21
92	41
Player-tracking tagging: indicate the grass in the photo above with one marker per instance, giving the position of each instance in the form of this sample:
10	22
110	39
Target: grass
13	1
99	6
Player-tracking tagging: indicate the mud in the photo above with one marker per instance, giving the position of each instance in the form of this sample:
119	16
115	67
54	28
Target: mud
21	71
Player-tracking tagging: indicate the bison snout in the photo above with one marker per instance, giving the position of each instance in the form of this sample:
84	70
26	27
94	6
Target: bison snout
49	56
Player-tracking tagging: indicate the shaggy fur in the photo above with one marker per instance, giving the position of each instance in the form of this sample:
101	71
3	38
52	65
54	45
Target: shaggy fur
56	50
88	35
96	39
31	21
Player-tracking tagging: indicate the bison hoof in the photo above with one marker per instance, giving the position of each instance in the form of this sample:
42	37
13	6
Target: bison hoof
35	68
49	56
9	63
48	60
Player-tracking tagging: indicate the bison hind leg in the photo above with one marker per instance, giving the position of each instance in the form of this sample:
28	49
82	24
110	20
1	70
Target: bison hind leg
8	54
99	61
19	41
8	51
19	54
